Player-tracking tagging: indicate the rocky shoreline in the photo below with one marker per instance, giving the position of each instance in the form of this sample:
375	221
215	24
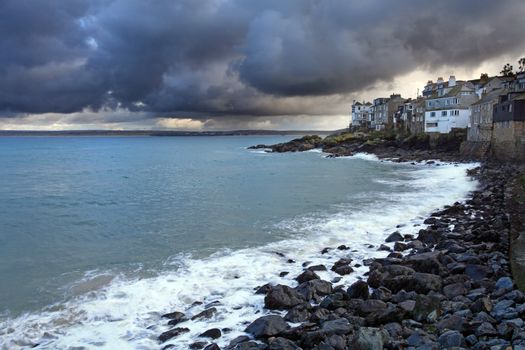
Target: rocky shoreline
412	148
447	286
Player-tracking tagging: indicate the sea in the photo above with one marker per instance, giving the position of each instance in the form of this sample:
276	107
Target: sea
100	236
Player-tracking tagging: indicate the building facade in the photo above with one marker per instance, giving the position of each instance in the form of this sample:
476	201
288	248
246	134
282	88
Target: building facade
360	115
480	123
448	107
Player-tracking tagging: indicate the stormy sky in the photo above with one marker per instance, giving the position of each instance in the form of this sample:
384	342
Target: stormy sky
235	64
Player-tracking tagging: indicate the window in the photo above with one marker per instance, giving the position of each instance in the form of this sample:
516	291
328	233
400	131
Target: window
432	125
443	113
432	114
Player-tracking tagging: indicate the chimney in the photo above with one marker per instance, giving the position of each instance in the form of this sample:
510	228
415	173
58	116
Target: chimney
452	81
440	80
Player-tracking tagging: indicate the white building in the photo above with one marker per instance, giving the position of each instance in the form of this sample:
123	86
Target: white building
448	108
360	114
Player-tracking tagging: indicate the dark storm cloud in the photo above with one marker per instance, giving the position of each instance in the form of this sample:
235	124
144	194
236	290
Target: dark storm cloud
248	58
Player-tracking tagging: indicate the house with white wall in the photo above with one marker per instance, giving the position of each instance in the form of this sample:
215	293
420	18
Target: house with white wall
448	106
360	114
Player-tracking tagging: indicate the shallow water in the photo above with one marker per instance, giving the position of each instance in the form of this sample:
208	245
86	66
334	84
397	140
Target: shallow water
99	236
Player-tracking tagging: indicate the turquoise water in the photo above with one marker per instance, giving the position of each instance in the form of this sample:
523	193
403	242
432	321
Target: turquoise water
87	219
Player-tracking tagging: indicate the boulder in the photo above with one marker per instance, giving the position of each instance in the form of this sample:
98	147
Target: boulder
368	338
213	333
282	344
451	339
338	326
314	289
307	275
394	237
172	333
282	297
208	313
267	326
358	290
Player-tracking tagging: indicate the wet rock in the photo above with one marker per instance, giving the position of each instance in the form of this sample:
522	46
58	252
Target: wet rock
238	340
382	293
264	289
394	237
208	313
343	270
477	272
505	283
451	339
453	322
358	290
172	333
485	329
399	247
307	275
267	326
212	346
455	289
426	306
418	282
283	273
339	326
198	345
317	268
299	313
343	247
282	297
314	289
384	248
282	344
213	333
369	338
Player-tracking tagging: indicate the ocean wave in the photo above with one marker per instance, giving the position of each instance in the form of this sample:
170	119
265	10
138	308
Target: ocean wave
125	313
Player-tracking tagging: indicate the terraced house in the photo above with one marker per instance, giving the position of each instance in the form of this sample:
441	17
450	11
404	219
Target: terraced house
447	107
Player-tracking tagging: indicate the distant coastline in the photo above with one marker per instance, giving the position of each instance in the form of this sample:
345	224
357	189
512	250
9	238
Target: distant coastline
158	132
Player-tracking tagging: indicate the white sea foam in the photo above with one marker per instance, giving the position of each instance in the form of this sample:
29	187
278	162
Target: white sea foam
125	314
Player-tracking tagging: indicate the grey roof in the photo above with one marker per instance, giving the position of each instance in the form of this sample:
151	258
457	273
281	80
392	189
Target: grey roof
490	96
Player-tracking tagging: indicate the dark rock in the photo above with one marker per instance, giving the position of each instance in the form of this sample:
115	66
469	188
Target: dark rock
238	340
198	345
172	333
343	247
267	326
212	346
282	344
394	237
381	293
477	272
264	289
313	289
384	247
299	313
358	290
339	326
282	297
455	289
418	282
213	333
504	283
368	338
399	247
307	275
426	307
453	322
176	315
283	273
343	270
317	268
451	339
485	329
208	313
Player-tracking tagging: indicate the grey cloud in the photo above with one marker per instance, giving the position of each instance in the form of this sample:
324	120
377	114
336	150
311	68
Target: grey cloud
212	58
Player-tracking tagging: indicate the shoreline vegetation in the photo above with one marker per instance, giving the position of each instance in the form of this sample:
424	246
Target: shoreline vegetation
446	286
